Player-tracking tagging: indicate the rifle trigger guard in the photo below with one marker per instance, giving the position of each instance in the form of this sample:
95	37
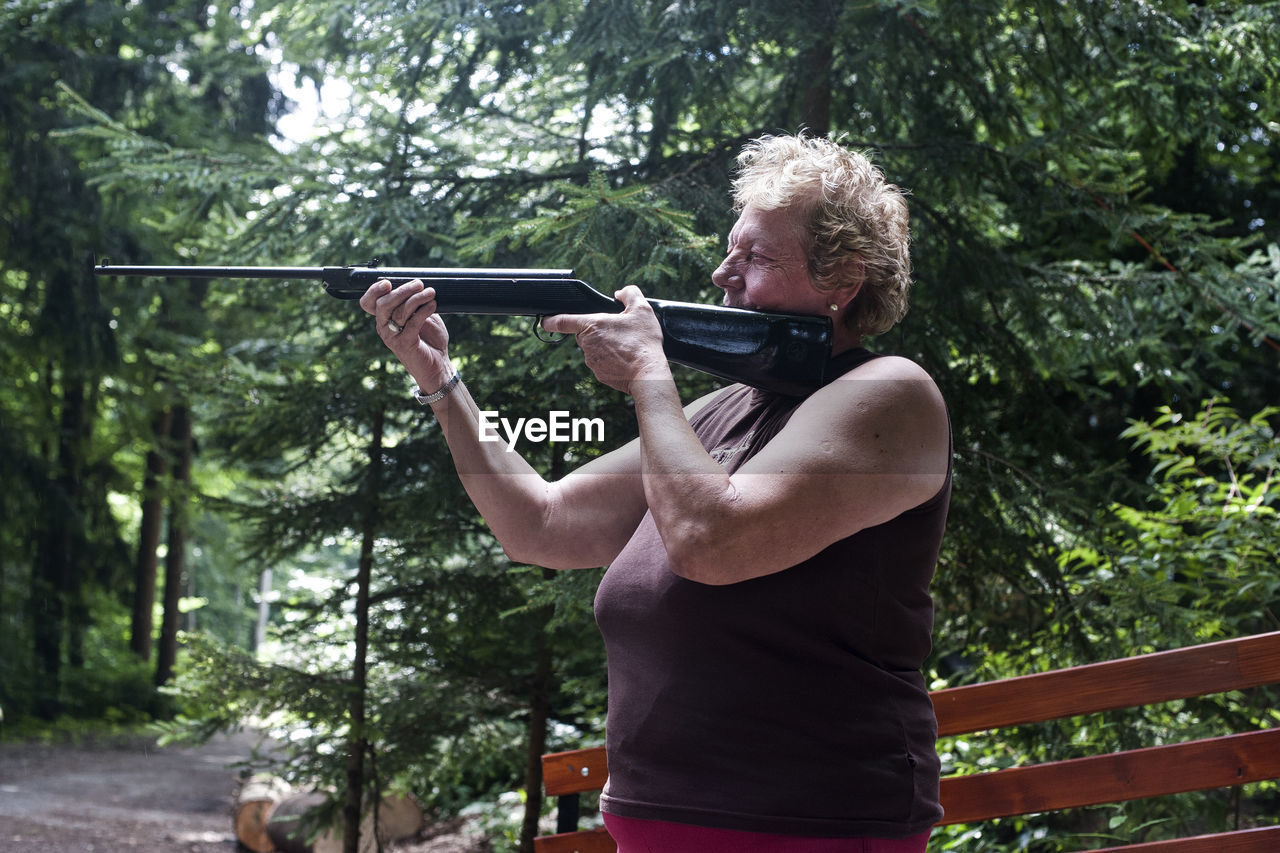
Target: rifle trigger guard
538	332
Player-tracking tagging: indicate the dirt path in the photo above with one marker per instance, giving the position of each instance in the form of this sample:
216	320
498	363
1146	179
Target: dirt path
125	796
133	797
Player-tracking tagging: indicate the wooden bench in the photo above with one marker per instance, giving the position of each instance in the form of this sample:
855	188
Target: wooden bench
1200	765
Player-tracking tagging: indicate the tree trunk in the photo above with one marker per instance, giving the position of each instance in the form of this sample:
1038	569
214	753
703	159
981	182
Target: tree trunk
540	700
539	715
46	607
817	74
264	611
175	558
357	744
55	576
144	570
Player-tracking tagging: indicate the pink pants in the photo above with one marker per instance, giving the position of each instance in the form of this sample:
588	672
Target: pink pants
656	836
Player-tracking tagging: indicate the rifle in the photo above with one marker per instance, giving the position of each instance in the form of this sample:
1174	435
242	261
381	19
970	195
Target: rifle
785	353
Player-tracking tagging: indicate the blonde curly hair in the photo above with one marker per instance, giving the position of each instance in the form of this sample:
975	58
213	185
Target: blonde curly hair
856	222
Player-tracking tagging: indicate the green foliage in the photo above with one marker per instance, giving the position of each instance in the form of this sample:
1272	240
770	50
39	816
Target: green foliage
1195	563
607	234
1198	560
113	684
88	361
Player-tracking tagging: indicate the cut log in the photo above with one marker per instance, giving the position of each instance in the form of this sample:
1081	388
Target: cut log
399	817
255	804
289	825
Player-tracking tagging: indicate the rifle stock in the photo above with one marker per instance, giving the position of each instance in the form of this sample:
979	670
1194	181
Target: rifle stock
784	353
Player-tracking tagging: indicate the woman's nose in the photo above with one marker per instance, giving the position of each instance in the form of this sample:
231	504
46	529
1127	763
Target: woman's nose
725	277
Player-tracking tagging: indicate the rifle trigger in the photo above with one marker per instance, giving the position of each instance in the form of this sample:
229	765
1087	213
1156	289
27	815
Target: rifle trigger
537	332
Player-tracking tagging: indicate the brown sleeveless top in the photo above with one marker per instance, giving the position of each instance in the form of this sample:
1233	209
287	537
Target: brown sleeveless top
791	703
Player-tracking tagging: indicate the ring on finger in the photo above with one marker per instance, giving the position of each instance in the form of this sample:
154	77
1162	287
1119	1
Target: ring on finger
394	326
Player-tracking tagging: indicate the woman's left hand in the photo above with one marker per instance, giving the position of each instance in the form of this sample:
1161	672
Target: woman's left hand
621	349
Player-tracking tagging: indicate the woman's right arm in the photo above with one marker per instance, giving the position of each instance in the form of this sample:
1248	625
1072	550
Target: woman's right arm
580	521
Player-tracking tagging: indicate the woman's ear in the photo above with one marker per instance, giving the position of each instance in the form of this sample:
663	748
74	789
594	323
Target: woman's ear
848	277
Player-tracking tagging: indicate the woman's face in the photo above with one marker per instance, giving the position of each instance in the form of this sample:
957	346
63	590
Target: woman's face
767	267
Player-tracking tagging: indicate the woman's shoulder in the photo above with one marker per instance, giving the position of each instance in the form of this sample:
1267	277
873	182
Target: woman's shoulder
892	385
887	367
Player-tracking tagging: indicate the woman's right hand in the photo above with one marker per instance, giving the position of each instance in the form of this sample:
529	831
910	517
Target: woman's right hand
408	324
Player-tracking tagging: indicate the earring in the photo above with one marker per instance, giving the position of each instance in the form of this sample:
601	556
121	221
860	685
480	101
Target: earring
835	307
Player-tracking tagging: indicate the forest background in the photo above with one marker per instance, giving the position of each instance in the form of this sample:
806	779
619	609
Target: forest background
1095	193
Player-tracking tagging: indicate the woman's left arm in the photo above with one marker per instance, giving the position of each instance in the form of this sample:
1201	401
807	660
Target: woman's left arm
857	453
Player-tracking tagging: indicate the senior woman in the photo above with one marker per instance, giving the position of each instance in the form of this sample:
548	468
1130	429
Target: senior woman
766	610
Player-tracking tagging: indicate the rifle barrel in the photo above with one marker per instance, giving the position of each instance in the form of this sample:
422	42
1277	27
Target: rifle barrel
107	268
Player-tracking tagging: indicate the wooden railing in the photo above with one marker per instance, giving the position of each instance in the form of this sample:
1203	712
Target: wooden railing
1233	759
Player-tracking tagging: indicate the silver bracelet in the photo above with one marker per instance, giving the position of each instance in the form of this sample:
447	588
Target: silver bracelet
445	389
